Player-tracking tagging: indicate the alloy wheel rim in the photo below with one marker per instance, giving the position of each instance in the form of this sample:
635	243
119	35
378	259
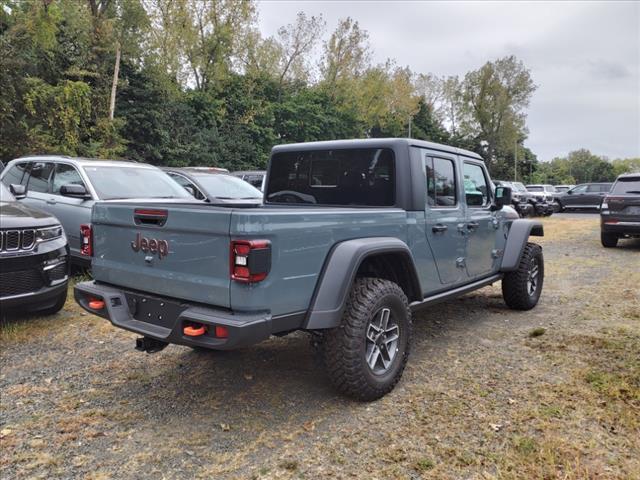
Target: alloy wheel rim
533	277
383	335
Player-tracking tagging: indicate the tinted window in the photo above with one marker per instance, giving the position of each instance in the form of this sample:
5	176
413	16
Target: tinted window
16	174
111	182
441	182
359	176
605	187
65	175
255	180
579	189
627	185
476	187
39	177
594	188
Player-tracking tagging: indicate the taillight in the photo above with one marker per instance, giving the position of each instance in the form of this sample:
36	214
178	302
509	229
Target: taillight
86	239
250	260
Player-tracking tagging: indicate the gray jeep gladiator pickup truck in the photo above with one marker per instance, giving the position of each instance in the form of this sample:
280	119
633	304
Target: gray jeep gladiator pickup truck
352	237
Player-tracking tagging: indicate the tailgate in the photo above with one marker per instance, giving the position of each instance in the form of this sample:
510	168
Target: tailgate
182	254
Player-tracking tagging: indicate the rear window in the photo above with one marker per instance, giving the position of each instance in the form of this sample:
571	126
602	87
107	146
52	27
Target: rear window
112	183
350	177
627	185
535	189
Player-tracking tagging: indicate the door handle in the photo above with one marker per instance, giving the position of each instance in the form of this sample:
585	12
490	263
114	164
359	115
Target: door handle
439	228
472	225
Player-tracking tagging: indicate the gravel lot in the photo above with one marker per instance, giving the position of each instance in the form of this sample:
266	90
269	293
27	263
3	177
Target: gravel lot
488	392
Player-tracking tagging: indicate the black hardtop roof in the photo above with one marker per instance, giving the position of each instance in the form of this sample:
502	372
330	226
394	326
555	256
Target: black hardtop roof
372	143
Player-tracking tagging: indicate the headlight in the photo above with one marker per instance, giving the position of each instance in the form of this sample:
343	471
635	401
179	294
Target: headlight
48	233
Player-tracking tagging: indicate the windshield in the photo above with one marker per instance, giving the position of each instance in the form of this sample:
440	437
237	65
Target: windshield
5	194
116	182
227	187
535	189
627	185
519	187
562	189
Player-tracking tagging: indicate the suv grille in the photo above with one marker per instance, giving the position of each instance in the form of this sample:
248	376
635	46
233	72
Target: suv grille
21	281
14	240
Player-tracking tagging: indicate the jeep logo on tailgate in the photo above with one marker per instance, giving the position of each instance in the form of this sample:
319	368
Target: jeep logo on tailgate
151	245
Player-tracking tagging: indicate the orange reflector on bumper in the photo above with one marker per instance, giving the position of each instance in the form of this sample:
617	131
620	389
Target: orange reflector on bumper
96	304
190	331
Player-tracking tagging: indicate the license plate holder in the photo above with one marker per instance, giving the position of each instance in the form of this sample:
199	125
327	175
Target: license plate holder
157	311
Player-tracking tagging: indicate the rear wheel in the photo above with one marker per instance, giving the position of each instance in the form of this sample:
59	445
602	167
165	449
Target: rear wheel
366	355
521	288
608	240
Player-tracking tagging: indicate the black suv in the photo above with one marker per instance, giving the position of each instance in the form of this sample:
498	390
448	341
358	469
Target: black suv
33	257
620	211
584	196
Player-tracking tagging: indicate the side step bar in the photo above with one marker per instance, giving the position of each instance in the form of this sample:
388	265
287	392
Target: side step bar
456	292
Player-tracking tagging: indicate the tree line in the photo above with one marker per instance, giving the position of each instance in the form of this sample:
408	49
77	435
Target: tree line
193	82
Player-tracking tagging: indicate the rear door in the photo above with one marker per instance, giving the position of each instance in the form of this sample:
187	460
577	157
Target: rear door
38	185
174	250
481	223
444	214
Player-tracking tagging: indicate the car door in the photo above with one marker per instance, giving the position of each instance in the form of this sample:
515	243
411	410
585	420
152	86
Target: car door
72	212
481	222
575	197
444	216
594	195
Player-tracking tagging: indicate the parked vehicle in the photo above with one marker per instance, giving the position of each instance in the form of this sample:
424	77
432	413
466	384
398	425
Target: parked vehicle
545	197
353	236
67	188
254	177
521	199
215	187
584	196
620	210
33	257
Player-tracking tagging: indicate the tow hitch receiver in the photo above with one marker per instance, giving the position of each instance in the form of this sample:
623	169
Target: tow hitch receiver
149	345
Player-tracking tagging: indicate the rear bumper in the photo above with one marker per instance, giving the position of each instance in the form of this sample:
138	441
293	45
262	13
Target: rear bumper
622	226
164	319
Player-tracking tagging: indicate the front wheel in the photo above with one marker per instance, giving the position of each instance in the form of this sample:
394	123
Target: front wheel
521	288
366	355
608	240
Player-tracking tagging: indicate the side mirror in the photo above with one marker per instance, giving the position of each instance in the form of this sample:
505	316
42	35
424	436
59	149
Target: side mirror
76	191
18	191
502	198
569	192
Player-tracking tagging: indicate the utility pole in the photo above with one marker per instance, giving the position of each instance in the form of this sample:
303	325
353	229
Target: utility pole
409	126
515	162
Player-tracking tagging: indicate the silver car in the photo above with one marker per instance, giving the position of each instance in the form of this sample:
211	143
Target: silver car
68	187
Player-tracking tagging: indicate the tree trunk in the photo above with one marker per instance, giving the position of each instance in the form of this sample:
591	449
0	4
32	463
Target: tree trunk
114	84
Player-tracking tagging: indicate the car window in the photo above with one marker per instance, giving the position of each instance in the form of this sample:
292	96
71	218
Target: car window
65	174
533	188
476	186
39	176
227	187
594	189
579	189
16	174
441	182
351	176
185	183
605	187
5	194
626	185
112	182
255	180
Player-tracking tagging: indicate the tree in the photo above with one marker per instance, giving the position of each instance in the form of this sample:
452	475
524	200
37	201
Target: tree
347	53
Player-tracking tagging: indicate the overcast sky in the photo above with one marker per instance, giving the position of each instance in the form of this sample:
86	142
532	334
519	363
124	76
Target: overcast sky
584	57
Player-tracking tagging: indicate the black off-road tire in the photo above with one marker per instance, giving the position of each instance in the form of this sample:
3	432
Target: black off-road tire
344	347
515	285
608	240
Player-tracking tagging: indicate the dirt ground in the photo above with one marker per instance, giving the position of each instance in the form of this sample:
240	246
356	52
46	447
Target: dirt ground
488	392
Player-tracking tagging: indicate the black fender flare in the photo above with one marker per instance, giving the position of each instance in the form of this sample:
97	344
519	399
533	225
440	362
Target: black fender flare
339	272
516	240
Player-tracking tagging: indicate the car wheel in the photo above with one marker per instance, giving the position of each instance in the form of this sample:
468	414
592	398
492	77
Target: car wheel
608	240
521	288
60	301
366	355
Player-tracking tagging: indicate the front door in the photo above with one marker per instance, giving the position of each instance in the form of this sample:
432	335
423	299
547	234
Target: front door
481	223
576	197
445	215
